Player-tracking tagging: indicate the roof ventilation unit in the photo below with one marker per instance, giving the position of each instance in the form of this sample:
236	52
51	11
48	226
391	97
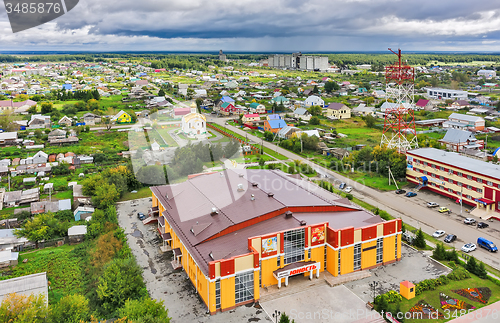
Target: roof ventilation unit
214	211
240	175
240	187
255	184
302	223
270	194
252	198
288	214
211	255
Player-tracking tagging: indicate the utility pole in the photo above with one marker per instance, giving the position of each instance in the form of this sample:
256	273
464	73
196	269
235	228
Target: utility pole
461	197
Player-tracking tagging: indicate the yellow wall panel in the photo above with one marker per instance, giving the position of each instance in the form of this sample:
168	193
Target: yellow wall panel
332	261
389	248
346	260
318	255
256	287
202	286
268	266
369	257
399	245
212	297
243	263
227	293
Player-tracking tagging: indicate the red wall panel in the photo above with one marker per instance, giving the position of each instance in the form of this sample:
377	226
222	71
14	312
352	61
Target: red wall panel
332	237
389	227
227	267
368	233
346	236
488	193
211	270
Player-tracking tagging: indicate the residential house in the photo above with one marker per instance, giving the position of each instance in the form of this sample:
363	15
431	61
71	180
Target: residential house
76	233
12	198
57	134
39	158
379	94
122	117
464	122
257	108
9	106
65	121
273	116
178	113
274	125
227	109
250	117
8	138
339	153
302	113
314	100
459	104
39	121
31	195
423	104
487	73
287	132
457	140
281	100
363	110
8	258
338	111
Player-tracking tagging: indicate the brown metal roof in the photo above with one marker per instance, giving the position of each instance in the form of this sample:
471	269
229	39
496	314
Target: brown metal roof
340	220
166	236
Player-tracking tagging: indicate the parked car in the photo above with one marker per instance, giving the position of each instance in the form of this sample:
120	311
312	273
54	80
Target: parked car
468	247
348	189
450	238
411	194
482	225
469	221
341	186
400	191
486	244
438	234
432	204
443	209
141	216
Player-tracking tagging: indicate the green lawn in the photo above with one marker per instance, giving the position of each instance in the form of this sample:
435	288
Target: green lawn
63	195
141	193
272	153
432	296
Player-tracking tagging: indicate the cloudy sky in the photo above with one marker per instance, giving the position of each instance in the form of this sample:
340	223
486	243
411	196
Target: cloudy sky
265	25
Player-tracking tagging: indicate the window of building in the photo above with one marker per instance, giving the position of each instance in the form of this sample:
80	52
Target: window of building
380	250
324	264
459	184
396	247
433	166
339	261
489	183
357	256
217	294
425	172
450	190
479	180
243	287
425	163
260	271
459	174
309	254
469	177
293	246
479	190
278	261
441	178
469	197
450	180
450	172
441	168
469	187
441	187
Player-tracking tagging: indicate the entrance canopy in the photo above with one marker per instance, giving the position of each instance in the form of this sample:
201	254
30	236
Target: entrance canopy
296	269
484	201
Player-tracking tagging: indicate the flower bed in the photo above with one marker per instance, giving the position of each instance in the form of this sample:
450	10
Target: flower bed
480	294
428	311
449	303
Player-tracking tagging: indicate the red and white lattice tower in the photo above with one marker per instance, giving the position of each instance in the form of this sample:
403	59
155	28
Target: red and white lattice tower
399	125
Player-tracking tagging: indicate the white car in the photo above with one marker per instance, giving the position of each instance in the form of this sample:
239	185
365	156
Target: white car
438	234
469	221
348	189
469	247
432	204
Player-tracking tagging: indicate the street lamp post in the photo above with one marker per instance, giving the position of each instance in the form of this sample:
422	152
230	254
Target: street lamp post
276	315
373	286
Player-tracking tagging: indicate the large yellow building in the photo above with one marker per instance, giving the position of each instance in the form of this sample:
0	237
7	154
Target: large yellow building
453	175
237	231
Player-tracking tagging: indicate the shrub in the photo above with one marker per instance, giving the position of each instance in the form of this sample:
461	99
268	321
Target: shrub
458	274
419	241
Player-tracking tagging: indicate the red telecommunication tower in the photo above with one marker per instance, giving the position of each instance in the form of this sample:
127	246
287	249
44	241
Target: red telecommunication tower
399	125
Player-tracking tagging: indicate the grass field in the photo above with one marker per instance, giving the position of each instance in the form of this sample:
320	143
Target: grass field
141	193
272	153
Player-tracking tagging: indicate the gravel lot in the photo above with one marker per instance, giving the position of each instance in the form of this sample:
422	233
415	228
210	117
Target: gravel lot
163	283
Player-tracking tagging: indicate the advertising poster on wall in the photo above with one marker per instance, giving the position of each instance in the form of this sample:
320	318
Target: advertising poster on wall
269	246
317	235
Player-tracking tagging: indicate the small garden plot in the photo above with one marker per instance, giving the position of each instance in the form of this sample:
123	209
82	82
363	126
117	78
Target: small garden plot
480	294
452	304
424	310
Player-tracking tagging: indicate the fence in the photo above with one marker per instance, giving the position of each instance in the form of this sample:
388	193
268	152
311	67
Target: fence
42	244
254	149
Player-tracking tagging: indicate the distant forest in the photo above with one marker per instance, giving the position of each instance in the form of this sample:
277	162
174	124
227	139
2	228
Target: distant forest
201	61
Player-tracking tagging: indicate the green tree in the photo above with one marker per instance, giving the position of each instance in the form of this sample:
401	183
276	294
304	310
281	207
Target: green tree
105	195
268	135
370	121
44	226
315	110
315	89
262	162
481	271
144	310
161	92
38	133
46	107
17	308
471	265
420	240
314	120
231	148
331	86
70	309
120	281
285	319
32	109
439	253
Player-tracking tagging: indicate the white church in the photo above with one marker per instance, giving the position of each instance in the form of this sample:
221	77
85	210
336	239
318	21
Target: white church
194	125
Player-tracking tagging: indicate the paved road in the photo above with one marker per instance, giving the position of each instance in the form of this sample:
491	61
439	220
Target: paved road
412	210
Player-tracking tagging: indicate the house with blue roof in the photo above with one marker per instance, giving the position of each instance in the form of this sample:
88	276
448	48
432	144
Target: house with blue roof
227	99
67	87
274	125
273	116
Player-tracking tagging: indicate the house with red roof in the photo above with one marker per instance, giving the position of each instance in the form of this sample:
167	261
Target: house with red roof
250	117
424	104
227	108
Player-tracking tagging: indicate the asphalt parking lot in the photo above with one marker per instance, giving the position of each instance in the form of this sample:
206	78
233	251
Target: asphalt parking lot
164	283
414	266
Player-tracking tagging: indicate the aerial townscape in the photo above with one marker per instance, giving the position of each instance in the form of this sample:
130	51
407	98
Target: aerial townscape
235	185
